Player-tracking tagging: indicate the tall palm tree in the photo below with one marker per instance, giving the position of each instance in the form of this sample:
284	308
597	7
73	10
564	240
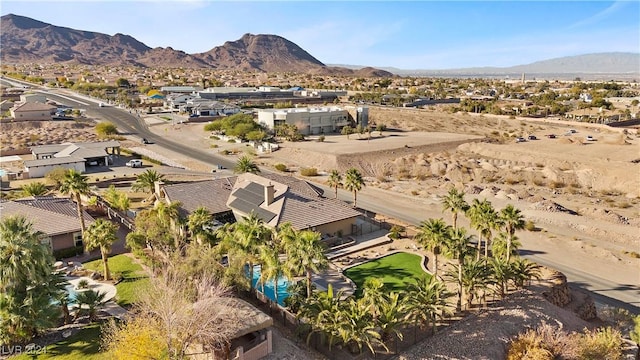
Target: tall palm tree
307	255
335	181
512	220
426	299
459	248
147	180
76	185
354	182
500	246
271	268
322	311
373	293
356	329
502	274
34	189
246	165
454	202
92	300
432	234
483	218
169	215
102	234
197	223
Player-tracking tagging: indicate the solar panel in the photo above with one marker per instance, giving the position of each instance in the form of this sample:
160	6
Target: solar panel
255	188
248	196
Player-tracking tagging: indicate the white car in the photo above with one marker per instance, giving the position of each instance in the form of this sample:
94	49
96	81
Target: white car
134	163
590	138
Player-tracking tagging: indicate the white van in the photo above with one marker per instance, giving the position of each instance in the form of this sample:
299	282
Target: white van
134	163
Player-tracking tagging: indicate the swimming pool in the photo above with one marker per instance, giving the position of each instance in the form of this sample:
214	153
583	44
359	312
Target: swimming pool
283	284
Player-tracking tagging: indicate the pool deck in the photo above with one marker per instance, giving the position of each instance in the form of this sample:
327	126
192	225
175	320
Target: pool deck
363	242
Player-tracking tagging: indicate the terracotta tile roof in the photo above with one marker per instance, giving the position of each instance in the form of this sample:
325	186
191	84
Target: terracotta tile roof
52	216
212	194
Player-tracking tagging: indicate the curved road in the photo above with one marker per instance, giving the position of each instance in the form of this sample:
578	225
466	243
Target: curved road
604	291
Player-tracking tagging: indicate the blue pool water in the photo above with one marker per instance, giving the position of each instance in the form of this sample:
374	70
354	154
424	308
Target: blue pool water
269	288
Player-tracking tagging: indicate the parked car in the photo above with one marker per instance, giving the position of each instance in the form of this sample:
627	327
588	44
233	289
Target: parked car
145	141
520	139
590	138
573	131
134	163
532	137
194	115
551	136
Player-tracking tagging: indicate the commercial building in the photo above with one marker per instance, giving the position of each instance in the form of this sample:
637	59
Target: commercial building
310	121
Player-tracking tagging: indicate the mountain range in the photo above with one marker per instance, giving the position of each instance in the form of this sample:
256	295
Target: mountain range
25	40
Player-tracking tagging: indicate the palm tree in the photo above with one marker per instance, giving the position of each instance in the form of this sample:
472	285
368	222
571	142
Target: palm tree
502	274
147	180
454	202
102	234
426	299
512	220
335	181
169	216
322	311
58	284
373	293
197	223
307	255
523	270
500	244
356	329
432	234
353	182
243	241
34	189
76	184
391	312
246	165
117	199
271	268
459	247
92	300
483	218
476	276
26	305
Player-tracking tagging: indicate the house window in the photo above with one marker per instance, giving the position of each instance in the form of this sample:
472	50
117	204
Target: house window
77	239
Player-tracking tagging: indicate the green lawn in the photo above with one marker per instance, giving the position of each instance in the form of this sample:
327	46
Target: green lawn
135	278
84	345
396	270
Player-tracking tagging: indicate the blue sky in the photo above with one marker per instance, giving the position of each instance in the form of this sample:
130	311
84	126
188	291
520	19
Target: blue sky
402	34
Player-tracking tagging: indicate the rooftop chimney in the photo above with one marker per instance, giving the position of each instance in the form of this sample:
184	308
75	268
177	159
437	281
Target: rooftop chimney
268	194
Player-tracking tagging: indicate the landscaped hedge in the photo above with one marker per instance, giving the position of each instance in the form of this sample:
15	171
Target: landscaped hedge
67	253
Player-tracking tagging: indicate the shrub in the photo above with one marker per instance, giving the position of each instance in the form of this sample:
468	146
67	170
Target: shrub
600	344
214	146
226	152
231	141
530	226
538	182
67	253
83	284
213	137
556	184
415	192
309	172
280	167
396	232
321	138
511	181
106	128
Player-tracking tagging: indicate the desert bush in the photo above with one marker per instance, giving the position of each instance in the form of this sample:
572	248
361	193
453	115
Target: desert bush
623	205
213	137
106	128
528	346
575	185
321	138
530	226
415	192
233	141
214	146
600	344
511	181
309	172
280	167
225	152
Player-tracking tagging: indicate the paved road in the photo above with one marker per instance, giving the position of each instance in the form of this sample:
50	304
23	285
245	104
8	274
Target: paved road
130	124
605	291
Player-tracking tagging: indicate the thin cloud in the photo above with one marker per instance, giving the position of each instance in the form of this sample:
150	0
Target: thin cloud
602	15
